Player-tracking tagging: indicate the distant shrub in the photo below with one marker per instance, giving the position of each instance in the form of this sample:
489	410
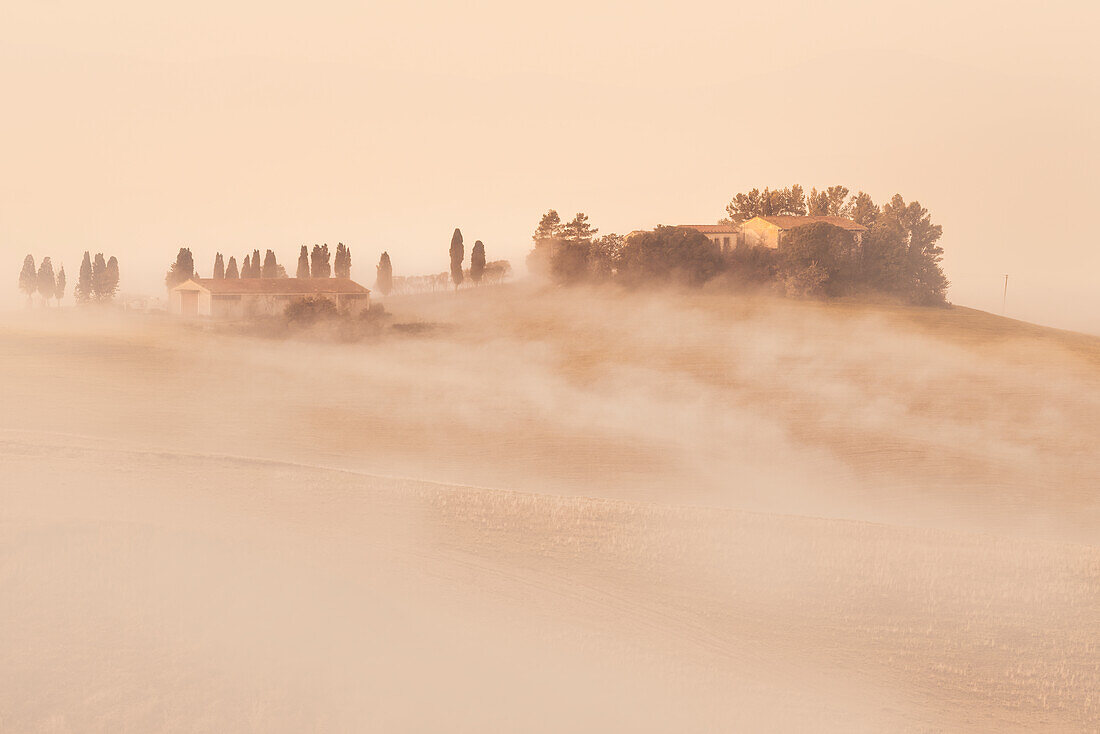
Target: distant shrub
806	282
310	310
679	255
751	265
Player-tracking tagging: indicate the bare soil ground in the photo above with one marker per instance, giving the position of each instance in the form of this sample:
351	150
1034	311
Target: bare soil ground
570	512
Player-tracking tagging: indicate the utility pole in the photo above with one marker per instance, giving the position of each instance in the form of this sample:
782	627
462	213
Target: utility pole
1004	297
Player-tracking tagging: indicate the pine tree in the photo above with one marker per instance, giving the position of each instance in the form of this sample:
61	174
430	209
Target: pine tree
549	227
111	280
219	267
47	284
384	281
303	263
59	293
100	278
28	277
182	269
477	262
256	268
246	267
83	290
270	267
231	272
457	253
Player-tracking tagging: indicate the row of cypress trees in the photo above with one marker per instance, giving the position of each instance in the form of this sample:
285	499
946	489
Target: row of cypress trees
97	282
477	260
315	263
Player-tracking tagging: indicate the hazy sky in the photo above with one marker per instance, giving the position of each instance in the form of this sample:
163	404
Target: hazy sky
135	128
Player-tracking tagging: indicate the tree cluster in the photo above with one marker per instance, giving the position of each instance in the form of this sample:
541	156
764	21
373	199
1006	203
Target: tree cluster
97	281
478	269
898	255
42	281
570	252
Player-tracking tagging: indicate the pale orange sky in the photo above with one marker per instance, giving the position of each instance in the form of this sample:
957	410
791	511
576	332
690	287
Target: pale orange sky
135	128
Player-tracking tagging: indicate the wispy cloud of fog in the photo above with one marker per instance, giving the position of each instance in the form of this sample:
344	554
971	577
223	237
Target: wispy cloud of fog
205	530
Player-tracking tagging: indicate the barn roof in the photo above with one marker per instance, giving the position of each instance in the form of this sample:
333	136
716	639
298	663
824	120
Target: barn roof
714	228
278	286
790	222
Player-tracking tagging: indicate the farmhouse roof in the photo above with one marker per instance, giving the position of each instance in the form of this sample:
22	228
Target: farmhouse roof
714	228
278	286
790	222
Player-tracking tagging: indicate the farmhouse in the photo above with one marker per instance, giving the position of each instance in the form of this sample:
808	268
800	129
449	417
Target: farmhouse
768	231
237	298
723	235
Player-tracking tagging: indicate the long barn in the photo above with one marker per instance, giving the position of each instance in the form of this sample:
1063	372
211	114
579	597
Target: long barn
239	298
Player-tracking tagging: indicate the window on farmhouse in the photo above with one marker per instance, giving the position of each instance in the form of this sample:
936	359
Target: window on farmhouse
224	297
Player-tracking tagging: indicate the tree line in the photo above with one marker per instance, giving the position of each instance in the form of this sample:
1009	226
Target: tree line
97	281
319	262
899	254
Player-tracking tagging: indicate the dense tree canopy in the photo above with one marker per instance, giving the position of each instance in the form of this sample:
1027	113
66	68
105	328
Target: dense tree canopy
669	255
757	203
549	226
818	259
832	202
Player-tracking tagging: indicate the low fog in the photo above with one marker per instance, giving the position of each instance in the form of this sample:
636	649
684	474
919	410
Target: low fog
549	510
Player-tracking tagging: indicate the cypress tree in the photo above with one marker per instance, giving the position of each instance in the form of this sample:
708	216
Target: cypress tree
182	269
100	278
47	284
457	253
477	262
320	261
246	268
111	279
342	265
270	267
83	290
219	267
28	277
59	294
303	263
231	269
384	281
257	268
